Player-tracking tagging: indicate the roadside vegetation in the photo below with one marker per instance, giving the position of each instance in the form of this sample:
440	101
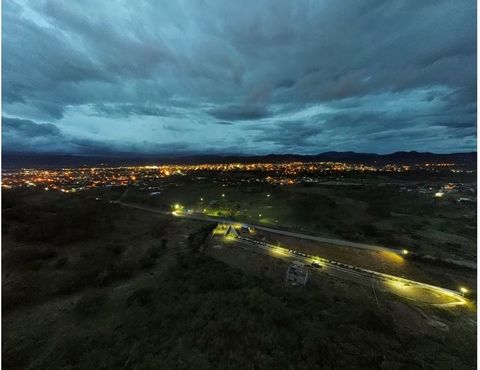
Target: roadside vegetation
366	209
136	291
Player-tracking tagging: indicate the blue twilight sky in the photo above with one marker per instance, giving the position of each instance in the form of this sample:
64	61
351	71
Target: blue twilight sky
250	76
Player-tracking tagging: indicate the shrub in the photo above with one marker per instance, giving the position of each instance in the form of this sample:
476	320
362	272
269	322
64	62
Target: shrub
147	261
116	249
372	321
124	269
61	262
141	297
18	294
369	230
30	253
69	283
90	303
197	239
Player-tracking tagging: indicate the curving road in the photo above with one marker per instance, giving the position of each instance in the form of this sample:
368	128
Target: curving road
333	241
409	289
406	288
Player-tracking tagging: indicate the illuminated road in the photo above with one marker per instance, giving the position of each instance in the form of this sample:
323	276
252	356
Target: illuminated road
410	289
201	217
332	241
343	243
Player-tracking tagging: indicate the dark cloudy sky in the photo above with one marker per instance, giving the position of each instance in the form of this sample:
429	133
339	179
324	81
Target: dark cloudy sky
252	77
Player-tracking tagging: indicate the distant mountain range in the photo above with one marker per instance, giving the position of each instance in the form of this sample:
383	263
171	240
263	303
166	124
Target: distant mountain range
16	160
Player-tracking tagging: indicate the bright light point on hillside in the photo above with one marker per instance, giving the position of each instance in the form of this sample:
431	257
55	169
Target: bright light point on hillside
439	194
463	290
177	206
259	215
201	199
268	195
404	251
223	195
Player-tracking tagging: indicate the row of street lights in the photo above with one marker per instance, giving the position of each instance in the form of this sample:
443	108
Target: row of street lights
462	289
405	252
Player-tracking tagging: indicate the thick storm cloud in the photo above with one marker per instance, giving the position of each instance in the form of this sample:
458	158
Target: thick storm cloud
253	77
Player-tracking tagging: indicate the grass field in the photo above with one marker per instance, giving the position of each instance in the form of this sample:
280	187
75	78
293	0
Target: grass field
110	287
373	212
382	261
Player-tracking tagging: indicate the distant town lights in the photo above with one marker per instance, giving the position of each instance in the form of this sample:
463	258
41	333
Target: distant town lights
278	174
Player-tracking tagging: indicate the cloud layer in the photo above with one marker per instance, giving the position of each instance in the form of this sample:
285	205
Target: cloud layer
239	77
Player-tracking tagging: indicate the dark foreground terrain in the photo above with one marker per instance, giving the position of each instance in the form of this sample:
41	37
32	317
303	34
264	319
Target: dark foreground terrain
90	285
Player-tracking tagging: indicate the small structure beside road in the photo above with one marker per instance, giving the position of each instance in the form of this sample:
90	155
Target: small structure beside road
297	274
231	231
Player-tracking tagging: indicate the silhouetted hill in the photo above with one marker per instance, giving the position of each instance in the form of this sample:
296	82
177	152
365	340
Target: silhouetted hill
15	160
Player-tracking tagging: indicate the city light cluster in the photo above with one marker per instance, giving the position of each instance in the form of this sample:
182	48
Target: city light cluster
288	173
